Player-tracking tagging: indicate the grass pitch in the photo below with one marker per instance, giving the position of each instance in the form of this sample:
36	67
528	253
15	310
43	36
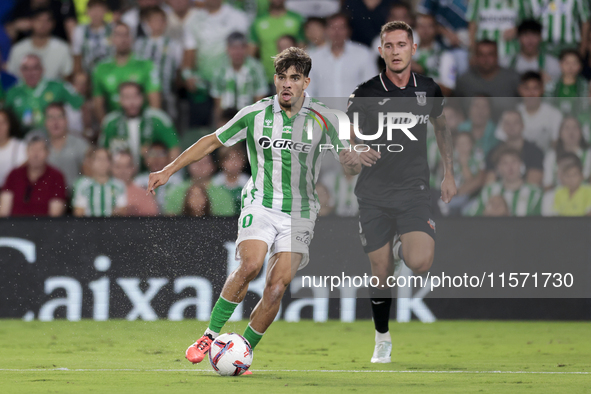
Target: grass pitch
333	357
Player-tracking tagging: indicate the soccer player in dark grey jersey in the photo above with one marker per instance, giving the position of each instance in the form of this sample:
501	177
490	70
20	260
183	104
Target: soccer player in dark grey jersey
395	217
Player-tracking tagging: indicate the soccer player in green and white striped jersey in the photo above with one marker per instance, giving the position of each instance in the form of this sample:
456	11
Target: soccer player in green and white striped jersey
279	204
496	20
565	23
523	199
99	195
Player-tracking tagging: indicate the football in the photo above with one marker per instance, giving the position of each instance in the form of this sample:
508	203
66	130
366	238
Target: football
230	355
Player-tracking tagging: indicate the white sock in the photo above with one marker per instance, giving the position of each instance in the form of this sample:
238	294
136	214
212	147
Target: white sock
213	334
396	250
385	337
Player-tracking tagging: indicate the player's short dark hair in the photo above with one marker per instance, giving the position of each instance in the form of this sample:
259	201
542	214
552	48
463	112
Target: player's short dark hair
486	42
40	11
296	57
95	3
155	10
570	52
529	26
132	84
570	160
58	105
531	75
396	25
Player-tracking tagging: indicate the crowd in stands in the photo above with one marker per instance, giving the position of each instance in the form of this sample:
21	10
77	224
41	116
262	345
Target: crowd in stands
96	94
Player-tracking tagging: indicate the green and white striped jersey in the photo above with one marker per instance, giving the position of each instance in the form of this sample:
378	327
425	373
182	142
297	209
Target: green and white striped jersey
525	201
93	46
166	54
99	200
284	161
561	19
493	17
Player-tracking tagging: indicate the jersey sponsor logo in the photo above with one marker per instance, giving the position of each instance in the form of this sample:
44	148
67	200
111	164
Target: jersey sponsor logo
284	144
421	98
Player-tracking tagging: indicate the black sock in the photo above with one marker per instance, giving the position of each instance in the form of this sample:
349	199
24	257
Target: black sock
381	300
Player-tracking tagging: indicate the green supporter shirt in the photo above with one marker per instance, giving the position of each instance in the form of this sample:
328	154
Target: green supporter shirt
221	200
29	104
108	75
266	30
154	126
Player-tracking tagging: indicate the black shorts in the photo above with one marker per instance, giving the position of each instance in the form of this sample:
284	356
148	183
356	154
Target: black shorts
411	211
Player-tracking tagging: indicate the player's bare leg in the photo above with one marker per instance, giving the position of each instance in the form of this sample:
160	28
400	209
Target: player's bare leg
418	250
252	257
382	267
280	272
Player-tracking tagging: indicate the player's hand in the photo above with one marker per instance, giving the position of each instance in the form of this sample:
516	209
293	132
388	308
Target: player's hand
448	189
157	179
349	159
370	157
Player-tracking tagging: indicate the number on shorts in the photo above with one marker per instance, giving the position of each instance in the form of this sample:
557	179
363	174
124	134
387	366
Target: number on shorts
247	221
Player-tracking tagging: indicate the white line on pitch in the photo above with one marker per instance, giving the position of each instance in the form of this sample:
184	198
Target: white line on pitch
296	370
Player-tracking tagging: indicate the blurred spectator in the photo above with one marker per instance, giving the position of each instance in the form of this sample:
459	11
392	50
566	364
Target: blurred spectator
570	140
7	80
157	157
573	198
31	96
341	189
81	7
178	14
252	8
496	207
367	18
314	8
123	67
229	182
566	24
286	41
341	65
315	33
5	45
541	120
135	17
497	21
196	202
480	125
66	151
166	54
13	152
53	52
100	195
431	59
453	27
454	116
570	86
531	156
205	49
136	127
469	173
139	203
397	12
267	29
91	42
82	122
199	172
323	199
523	199
6	8
62	12
35	188
240	81
531	55
488	78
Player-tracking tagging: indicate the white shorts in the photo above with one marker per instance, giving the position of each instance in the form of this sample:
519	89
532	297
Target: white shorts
277	229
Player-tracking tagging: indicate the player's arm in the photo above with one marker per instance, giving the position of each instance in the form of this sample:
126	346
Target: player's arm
350	162
445	144
195	152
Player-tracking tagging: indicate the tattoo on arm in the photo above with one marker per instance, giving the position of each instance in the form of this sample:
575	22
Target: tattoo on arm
445	143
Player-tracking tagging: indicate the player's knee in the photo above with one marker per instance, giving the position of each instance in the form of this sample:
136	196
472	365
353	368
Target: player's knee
249	268
420	261
274	290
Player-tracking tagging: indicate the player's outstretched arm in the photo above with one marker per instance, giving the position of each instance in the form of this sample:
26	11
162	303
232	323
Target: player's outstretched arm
350	162
445	144
194	153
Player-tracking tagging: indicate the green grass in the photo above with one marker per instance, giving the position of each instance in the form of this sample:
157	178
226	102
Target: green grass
150	358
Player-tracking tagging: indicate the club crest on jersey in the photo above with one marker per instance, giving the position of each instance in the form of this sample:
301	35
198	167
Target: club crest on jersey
421	98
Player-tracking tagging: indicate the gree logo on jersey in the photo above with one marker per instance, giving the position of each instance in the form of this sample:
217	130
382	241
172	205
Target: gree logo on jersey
284	144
